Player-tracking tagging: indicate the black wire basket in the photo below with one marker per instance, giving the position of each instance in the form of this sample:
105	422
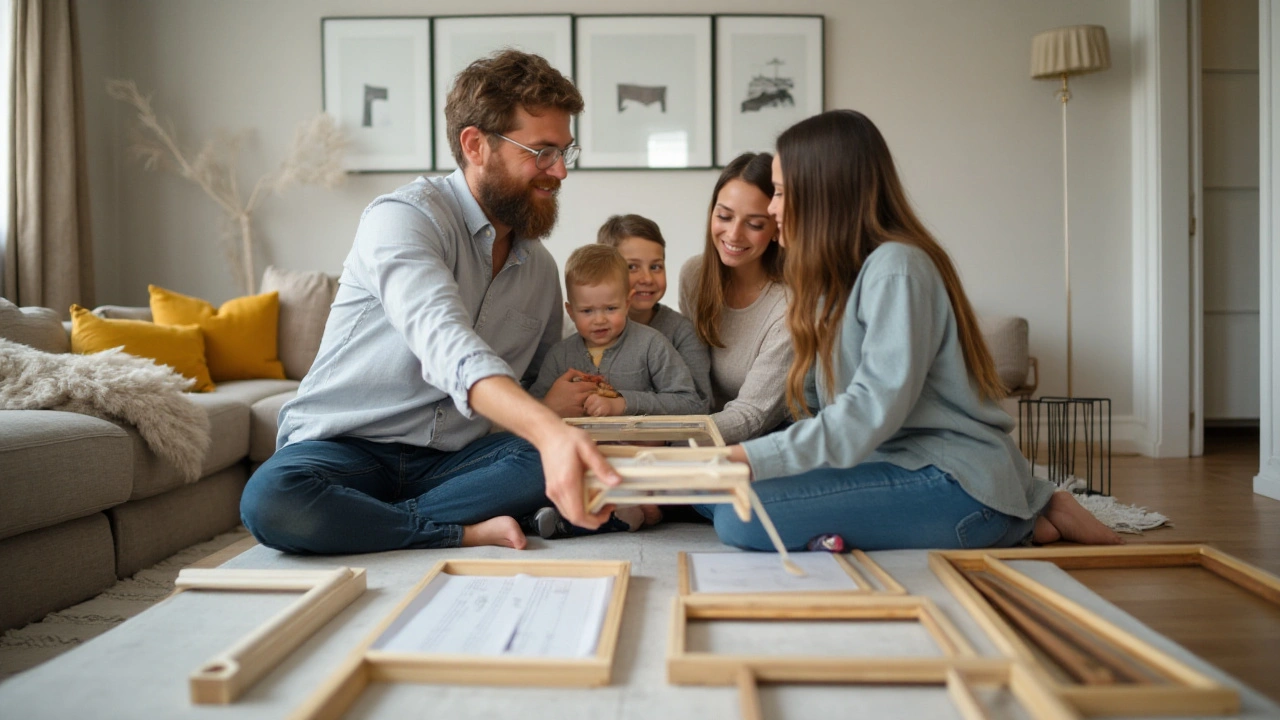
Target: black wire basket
1076	437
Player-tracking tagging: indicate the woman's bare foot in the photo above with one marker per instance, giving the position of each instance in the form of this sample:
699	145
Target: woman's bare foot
1065	519
501	531
652	514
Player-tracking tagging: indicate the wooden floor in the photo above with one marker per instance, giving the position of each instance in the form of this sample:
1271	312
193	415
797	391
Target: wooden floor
1210	500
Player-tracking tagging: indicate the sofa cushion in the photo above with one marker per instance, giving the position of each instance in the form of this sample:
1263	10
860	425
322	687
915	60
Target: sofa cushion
228	444
239	337
181	347
123	312
264	425
56	466
54	567
305	298
148	531
251	391
40	328
1007	340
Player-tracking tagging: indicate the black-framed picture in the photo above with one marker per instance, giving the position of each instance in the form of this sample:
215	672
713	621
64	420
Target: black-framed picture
647	84
458	41
769	76
377	86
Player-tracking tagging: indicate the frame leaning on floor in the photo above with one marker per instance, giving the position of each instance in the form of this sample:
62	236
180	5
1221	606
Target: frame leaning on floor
1180	690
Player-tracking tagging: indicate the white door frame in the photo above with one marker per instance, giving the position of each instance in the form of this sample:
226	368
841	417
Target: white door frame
1195	65
1267	481
1161	225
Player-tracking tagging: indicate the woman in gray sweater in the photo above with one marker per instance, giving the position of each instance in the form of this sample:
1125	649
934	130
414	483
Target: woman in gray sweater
734	295
901	442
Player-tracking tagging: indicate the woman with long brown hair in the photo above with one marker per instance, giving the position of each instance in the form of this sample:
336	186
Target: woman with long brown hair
734	295
900	441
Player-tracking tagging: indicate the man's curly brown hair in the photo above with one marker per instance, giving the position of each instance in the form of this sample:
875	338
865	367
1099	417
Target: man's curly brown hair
487	93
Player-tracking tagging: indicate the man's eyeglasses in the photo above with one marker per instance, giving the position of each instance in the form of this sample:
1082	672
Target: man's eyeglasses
547	156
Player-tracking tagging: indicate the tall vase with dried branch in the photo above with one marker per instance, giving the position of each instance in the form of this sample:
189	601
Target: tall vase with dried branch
314	158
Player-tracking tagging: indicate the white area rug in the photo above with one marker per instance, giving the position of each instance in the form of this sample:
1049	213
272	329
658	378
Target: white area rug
58	632
1122	518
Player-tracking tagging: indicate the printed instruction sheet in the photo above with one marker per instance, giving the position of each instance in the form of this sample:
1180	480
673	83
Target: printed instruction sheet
520	615
747	572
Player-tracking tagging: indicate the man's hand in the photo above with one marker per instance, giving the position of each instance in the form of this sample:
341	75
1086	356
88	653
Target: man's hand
566	398
600	406
566	452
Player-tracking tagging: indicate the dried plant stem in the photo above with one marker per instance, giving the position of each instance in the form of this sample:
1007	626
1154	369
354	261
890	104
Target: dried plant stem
315	158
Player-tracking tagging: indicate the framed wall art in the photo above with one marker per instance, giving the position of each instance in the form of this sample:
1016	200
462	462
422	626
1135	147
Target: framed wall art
377	86
647	84
459	41
769	76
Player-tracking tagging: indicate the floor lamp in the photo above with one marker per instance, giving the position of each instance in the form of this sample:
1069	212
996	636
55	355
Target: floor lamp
1061	53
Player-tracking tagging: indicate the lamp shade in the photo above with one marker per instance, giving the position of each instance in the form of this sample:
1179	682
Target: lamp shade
1073	50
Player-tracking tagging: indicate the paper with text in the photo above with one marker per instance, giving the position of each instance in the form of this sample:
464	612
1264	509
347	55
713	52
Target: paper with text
520	615
760	572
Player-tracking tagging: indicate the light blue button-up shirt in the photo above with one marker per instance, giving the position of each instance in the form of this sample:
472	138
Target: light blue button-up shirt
419	318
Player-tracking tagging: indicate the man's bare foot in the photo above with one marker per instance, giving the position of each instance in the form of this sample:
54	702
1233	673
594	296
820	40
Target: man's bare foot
652	514
501	531
1065	519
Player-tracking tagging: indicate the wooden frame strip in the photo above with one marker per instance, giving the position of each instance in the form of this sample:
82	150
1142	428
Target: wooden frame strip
1039	703
226	676
1188	691
651	428
705	668
366	665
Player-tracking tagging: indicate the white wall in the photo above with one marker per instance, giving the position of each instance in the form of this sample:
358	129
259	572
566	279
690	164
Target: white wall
977	141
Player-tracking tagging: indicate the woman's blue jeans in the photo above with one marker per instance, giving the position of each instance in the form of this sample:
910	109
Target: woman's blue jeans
873	506
348	495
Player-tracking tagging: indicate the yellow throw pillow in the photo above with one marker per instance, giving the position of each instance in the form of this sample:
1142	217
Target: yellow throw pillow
181	347
239	337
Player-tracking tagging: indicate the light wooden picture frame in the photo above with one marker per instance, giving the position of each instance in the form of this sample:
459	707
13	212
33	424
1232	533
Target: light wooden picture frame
1176	689
325	593
696	430
861	569
671	476
367	665
686	667
1031	694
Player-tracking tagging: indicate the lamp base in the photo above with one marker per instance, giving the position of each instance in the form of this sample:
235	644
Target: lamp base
1077	437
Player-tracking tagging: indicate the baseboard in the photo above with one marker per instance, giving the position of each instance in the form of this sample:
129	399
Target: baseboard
1128	435
1267	481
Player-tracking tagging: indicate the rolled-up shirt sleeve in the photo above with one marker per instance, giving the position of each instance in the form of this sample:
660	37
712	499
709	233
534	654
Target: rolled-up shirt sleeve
401	259
903	334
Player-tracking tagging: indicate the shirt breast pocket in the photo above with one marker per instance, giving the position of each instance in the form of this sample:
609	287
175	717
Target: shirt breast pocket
514	338
629	379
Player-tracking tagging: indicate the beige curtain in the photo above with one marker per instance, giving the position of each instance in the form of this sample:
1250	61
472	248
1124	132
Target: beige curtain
49	253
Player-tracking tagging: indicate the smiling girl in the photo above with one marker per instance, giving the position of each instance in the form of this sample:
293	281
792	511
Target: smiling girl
735	297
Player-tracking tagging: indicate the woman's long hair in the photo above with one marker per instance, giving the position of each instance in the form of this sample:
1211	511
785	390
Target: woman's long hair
843	199
754	169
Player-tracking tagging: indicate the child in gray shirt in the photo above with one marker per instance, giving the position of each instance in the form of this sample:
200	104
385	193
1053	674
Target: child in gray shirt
636	361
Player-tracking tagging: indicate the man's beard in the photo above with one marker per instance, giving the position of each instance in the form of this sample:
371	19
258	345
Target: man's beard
512	202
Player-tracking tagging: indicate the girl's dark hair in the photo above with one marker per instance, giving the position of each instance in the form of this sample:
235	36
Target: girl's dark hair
754	169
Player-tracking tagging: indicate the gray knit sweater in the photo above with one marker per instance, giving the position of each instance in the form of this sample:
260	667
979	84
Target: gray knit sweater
748	374
680	332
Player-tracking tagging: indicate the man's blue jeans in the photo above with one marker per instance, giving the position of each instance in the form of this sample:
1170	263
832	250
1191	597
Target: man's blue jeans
873	506
347	495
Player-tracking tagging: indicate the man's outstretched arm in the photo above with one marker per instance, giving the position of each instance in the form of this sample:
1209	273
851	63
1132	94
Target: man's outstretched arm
566	451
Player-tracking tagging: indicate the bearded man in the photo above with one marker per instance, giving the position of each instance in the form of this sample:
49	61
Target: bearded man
447	304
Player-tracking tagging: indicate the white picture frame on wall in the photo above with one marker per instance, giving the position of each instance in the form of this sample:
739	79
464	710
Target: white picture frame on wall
459	41
377	86
647	84
770	75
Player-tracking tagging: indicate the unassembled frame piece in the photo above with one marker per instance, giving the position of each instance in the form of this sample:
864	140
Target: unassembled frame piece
696	430
228	674
681	476
685	667
858	568
1031	694
1177	690
366	665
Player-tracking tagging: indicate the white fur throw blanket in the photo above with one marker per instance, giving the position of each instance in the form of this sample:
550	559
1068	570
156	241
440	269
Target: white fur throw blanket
111	385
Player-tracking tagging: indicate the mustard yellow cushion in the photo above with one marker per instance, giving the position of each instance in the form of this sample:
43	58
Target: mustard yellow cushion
181	347
239	337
